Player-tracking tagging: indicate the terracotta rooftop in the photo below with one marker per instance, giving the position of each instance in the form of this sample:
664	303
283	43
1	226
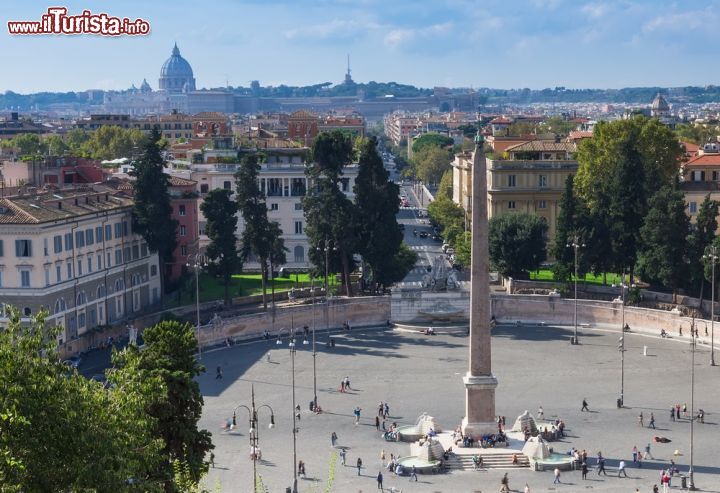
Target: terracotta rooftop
176	181
704	160
35	208
543	145
580	134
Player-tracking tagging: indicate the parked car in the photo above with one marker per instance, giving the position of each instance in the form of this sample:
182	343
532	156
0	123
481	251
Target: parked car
423	234
73	362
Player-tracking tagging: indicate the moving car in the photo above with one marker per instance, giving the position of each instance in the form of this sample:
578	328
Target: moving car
423	234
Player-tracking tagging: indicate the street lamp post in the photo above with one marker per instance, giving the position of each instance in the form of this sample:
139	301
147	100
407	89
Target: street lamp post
326	249
296	414
692	407
711	254
254	431
621	401
314	353
575	245
197	261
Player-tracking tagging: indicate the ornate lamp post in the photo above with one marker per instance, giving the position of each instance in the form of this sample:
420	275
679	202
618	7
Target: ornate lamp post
254	432
296	414
575	245
326	248
711	255
197	261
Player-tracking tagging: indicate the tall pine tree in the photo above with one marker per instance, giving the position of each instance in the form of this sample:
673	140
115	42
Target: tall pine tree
221	222
376	199
152	212
663	253
567	228
702	235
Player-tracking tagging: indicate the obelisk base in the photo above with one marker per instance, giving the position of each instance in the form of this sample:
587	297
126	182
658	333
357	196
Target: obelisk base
479	405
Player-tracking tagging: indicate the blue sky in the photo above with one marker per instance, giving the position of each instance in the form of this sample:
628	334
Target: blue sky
486	43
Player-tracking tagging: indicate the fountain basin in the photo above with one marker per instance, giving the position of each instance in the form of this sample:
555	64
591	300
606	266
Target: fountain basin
422	466
563	462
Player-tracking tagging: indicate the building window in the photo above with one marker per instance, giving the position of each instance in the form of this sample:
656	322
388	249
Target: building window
227	185
119	285
58	273
181	209
47	276
57	244
153	270
135	252
68	241
0	280
89	237
108	257
69	270
25	278
273	207
118	256
99	261
183	230
136	300
511	204
511	180
79	239
79	269
143	250
693	207
45	247
23	248
299	252
2	248
542	181
99	234
118	230
60	306
298	206
698	176
108	232
183	250
125	228
81	299
542	204
298	227
89	263
204	188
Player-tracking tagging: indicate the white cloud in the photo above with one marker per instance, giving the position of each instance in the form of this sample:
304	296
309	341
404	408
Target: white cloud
594	10
398	37
336	28
682	22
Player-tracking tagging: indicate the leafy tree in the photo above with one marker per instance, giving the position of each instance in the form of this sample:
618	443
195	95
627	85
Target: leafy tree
331	216
431	139
256	236
445	189
29	145
569	225
517	243
702	235
220	213
521	128
557	125
62	432
430	162
376	199
449	216
76	140
112	142
55	145
620	167
463	248
468	129
663	254
169	356
152	212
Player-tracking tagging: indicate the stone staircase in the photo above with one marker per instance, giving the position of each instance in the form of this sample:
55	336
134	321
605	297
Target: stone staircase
463	462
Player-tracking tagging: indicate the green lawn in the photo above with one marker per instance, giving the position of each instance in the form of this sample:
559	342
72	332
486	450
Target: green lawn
547	275
211	288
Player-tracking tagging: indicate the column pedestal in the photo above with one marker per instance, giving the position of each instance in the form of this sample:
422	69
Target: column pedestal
479	405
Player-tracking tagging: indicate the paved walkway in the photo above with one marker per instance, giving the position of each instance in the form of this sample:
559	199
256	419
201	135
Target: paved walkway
415	373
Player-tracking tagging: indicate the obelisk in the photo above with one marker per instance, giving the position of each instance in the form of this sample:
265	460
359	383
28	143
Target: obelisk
479	381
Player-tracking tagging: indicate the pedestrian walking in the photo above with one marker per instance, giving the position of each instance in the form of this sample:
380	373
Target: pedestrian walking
527	488
557	476
655	489
379	480
359	465
505	484
377	423
380	410
541	413
342	385
639	460
652	421
343	456
347	383
386	411
640	419
685	410
333	439
647	452
218	373
382	457
356	412
621	469
584	469
672	414
634	453
413	473
601	466
585	406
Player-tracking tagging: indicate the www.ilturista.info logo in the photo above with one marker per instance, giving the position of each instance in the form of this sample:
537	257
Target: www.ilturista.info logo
57	21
